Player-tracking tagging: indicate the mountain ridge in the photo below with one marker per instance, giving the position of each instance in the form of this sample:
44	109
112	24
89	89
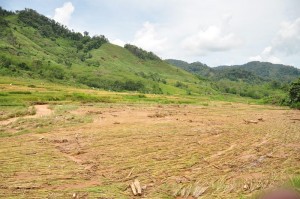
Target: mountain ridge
263	71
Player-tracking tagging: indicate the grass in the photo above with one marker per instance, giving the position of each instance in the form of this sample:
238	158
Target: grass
89	148
24	92
11	111
295	182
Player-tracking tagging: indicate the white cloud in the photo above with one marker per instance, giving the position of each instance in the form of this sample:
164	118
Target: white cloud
63	14
286	41
118	42
266	55
172	40
288	38
149	38
212	39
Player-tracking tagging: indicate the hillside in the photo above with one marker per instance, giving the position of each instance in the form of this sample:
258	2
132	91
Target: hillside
258	80
267	71
34	46
197	68
252	72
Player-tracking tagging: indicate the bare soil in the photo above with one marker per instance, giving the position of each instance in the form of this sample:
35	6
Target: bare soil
41	110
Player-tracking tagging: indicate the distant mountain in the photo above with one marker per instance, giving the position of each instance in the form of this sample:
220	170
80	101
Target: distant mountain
267	70
197	68
252	72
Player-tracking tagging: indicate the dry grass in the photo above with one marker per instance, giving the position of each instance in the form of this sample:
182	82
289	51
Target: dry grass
169	148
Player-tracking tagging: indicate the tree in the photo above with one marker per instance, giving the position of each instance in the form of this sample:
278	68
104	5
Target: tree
5	12
86	33
295	93
140	53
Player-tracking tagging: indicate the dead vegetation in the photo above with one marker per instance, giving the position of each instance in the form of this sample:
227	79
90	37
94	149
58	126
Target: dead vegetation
160	151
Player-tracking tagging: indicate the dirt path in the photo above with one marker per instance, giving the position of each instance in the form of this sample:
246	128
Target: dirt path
41	110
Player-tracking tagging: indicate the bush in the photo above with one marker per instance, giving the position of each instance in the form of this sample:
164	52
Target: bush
23	66
180	85
156	89
5	61
133	86
295	92
295	105
20	92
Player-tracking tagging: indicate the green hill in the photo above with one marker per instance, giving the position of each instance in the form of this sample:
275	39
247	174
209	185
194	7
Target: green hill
259	80
34	46
252	72
266	70
197	68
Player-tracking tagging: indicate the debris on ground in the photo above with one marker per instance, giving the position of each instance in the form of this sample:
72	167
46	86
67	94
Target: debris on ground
190	191
136	187
295	119
158	115
250	122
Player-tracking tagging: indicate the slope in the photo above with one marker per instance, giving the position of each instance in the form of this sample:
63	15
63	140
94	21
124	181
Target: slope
267	70
33	46
259	80
252	72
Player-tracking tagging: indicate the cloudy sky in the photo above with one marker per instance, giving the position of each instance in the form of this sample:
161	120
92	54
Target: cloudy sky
216	32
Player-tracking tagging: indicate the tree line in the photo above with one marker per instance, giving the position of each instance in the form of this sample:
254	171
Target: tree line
140	53
51	29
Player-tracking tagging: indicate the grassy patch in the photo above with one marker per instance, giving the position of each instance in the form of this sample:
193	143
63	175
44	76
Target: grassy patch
15	111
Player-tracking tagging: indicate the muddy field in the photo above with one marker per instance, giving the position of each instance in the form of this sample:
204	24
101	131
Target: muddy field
220	150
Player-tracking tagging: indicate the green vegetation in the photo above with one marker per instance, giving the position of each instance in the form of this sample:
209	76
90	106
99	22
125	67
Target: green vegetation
140	53
269	71
258	80
295	94
295	182
49	28
19	94
35	47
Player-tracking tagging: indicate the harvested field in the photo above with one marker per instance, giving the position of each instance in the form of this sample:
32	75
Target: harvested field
222	150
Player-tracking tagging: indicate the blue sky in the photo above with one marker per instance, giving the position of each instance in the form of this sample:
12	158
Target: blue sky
216	32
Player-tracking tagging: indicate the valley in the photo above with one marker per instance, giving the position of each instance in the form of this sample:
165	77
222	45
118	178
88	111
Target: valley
81	117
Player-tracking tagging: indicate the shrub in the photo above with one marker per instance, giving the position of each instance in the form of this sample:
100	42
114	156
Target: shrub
23	66
295	92
180	85
20	92
5	61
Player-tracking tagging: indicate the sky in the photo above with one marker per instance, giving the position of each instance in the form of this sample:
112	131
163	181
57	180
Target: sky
215	32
